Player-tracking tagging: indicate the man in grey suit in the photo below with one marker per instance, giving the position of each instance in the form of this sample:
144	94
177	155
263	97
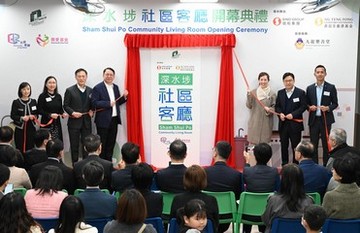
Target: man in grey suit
77	104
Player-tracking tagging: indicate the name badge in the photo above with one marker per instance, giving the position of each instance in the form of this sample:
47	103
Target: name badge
327	93
33	108
296	100
48	99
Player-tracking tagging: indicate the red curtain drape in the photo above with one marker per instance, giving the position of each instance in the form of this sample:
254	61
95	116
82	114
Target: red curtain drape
225	114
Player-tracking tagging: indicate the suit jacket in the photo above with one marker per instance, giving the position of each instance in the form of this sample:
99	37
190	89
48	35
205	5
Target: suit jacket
261	179
222	178
68	174
170	179
297	107
328	98
73	103
154	203
100	100
108	169
343	202
316	177
34	156
98	204
121	179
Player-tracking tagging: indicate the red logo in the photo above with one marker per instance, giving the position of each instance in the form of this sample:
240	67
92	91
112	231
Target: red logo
277	21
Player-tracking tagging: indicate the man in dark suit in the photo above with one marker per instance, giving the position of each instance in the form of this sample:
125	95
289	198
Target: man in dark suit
92	145
55	151
106	100
121	179
97	204
6	139
322	101
316	177
38	153
77	105
290	104
170	179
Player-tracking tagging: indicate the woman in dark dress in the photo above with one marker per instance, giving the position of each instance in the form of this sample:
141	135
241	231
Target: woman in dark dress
50	107
23	113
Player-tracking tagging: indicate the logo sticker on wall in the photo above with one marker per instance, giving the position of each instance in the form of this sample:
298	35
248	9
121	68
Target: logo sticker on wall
42	40
36	17
14	39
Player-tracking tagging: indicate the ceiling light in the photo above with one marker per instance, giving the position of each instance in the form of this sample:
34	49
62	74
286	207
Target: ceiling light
199	1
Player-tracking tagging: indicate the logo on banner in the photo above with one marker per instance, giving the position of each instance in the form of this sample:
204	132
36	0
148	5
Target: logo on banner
42	40
14	39
299	44
276	21
175	54
36	17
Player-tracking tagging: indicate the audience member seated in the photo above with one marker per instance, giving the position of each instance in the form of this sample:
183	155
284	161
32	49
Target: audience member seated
55	152
316	177
291	199
71	218
4	178
339	147
121	179
170	179
14	216
130	214
92	145
38	153
220	177
44	201
195	181
6	139
142	177
97	204
343	201
192	217
18	176
313	219
260	178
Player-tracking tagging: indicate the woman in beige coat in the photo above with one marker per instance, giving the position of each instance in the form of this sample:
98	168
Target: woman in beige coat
261	119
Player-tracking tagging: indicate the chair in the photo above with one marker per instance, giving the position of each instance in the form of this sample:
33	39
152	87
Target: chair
167	200
174	226
99	223
286	225
47	223
117	195
341	225
78	191
253	204
227	205
22	191
316	197
157	223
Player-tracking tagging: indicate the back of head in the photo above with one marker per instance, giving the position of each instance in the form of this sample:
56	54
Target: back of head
306	149
41	135
178	150
54	147
92	142
6	134
93	173
195	178
262	153
71	213
315	217
4	174
50	180
142	176
14	215
130	152
292	185
338	135
345	167
223	149
131	207
8	155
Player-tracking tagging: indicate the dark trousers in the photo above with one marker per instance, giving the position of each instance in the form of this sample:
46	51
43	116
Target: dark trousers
29	134
75	136
286	134
108	139
317	131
